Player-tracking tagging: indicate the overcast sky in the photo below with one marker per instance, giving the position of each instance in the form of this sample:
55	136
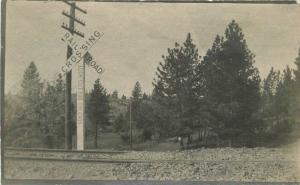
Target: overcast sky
137	34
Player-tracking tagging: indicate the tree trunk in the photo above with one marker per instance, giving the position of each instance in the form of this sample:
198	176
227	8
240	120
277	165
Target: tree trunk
188	141
49	142
199	137
205	136
229	142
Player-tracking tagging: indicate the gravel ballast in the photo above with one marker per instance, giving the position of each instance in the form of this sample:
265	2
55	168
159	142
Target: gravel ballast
224	164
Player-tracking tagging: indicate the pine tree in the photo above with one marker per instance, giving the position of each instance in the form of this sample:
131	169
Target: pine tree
244	82
296	89
284	93
26	130
114	95
145	120
269	90
270	84
210	72
296	92
98	106
53	113
145	97
209	75
137	92
120	124
136	98
165	124
233	85
297	71
283	121
175	81
60	110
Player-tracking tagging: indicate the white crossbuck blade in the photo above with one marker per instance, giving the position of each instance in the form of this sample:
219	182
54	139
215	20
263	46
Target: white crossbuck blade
80	51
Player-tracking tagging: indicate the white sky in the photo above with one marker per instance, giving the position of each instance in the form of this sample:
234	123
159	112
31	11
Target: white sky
137	34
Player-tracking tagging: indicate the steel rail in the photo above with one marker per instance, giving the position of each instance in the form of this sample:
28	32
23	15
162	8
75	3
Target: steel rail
63	150
142	161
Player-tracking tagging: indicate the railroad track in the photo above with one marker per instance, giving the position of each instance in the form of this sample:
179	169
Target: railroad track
10	149
21	163
58	154
105	156
126	161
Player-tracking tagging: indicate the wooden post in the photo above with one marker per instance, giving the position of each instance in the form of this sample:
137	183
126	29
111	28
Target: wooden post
80	105
2	82
68	91
130	124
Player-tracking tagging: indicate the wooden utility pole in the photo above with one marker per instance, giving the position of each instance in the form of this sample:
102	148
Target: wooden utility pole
130	124
80	122
68	91
2	81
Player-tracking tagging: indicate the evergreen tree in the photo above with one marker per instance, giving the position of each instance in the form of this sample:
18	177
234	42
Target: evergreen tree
136	99
145	97
268	115
175	81
269	90
283	120
59	125
145	120
120	124
270	85
297	71
209	75
278	103
53	113
296	90
25	130
98	106
115	94
296	94
284	93
164	123
233	85
243	83
137	92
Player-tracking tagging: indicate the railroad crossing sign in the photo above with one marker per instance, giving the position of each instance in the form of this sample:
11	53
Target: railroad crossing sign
79	57
80	51
75	53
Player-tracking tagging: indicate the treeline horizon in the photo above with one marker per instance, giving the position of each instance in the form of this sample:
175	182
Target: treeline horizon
216	100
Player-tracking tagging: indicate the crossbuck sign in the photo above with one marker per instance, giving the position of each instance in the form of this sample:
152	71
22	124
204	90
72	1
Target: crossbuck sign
80	51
